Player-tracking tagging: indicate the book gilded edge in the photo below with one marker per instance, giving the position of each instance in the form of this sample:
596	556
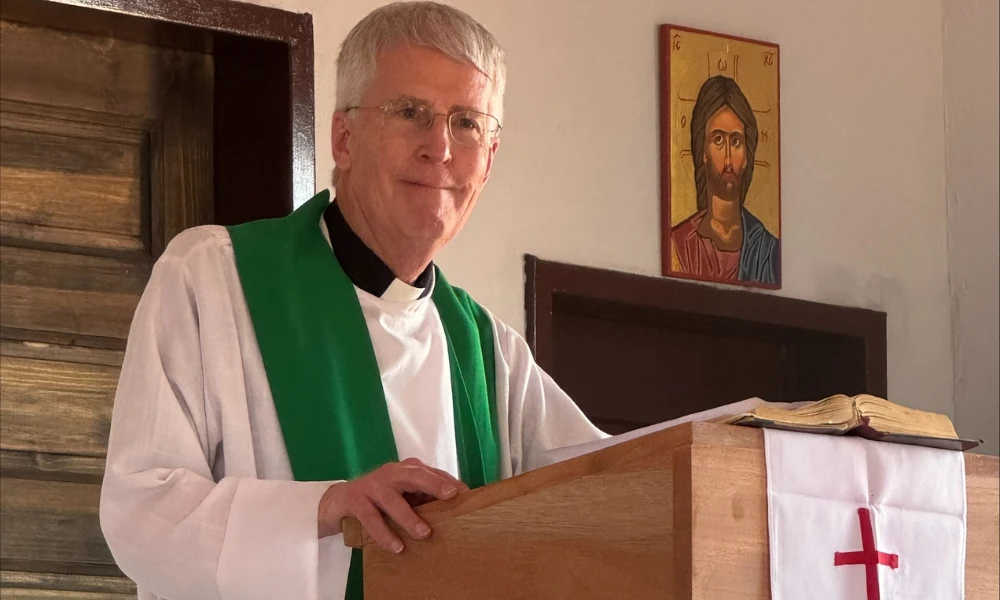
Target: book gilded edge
866	431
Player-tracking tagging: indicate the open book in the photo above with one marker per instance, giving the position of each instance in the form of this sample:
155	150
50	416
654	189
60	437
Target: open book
864	415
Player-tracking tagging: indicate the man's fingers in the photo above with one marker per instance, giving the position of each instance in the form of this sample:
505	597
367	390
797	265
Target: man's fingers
448	476
412	478
373	523
400	511
380	494
416	462
418	498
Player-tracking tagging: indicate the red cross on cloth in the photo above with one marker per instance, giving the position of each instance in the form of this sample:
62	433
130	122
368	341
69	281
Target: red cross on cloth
868	556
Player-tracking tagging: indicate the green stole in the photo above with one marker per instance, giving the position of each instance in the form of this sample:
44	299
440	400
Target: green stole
321	365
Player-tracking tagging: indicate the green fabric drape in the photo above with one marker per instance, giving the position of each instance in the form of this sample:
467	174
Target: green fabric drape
321	365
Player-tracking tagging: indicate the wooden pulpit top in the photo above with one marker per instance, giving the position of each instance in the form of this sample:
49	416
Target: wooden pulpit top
691	500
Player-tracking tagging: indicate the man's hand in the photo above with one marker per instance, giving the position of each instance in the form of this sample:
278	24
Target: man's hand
391	490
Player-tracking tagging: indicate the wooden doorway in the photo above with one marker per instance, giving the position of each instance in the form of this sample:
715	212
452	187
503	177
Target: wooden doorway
117	131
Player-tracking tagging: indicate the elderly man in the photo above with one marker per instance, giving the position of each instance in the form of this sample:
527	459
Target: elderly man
282	375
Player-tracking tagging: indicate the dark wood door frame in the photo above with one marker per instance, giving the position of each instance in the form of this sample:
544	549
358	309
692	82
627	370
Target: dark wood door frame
230	30
547	283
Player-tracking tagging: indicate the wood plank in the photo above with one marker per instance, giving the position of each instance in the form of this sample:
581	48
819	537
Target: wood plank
183	197
127	130
88	313
105	167
108	180
639	454
551	545
22	464
60	352
118	21
54	406
74	340
48	238
46	66
171	88
728	499
73	272
70	293
982	543
112	587
42	143
52	526
107	204
99	133
15	593
682	567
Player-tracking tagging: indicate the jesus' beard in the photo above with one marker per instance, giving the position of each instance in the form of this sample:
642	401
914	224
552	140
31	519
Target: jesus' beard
726	185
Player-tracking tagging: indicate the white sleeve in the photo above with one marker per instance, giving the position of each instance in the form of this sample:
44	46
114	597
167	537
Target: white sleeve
172	528
540	415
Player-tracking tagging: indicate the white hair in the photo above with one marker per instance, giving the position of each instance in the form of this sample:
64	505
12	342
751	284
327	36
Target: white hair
429	24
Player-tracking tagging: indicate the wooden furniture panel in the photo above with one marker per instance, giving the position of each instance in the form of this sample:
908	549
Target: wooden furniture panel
106	155
91	179
258	51
122	123
168	92
633	350
982	479
653	366
108	75
727	523
686	505
597	543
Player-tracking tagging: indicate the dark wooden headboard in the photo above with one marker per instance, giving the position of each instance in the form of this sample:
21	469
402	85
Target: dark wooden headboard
634	350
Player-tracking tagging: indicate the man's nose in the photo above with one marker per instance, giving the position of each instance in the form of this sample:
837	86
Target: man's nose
435	143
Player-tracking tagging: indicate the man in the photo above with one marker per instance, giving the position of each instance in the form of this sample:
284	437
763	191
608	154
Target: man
285	374
723	240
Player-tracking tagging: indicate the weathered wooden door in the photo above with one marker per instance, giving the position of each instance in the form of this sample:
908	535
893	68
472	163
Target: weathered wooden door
105	154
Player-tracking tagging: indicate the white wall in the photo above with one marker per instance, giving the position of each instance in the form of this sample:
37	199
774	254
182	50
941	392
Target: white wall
972	99
864	221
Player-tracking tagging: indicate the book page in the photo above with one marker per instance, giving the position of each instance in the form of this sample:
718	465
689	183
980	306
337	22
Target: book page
568	452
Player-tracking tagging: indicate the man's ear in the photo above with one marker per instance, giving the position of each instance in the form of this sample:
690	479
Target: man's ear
491	153
340	134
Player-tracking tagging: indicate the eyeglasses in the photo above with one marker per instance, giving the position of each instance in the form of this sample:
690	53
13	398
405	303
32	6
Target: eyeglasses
407	117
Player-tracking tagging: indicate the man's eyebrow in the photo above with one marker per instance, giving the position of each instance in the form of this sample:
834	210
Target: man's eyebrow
413	99
455	107
727	132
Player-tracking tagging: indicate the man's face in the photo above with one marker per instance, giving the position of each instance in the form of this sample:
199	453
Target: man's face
420	187
725	154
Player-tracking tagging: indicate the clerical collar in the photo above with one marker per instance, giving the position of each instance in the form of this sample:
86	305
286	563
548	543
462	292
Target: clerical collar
365	269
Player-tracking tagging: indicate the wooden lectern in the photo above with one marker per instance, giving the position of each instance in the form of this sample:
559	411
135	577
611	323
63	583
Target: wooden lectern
677	514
